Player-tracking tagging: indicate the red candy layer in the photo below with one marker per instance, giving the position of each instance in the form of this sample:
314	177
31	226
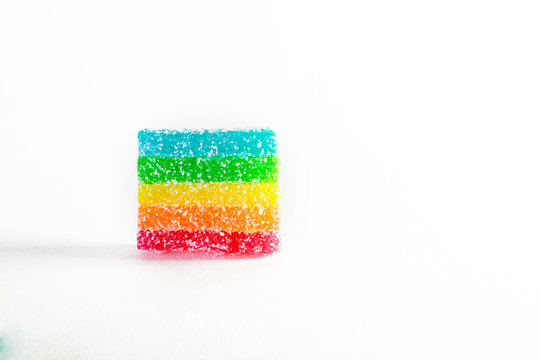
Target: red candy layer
209	242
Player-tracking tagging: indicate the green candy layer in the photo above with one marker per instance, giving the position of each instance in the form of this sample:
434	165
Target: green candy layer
154	169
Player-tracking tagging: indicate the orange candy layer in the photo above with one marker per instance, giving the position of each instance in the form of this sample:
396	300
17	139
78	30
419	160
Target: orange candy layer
243	219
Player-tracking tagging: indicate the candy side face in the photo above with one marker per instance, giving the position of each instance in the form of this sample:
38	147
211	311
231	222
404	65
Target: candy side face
208	192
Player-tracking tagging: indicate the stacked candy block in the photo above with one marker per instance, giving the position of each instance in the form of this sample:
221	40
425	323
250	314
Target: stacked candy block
211	192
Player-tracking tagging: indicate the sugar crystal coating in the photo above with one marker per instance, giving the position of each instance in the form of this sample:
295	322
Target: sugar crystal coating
157	169
201	194
227	218
211	192
196	143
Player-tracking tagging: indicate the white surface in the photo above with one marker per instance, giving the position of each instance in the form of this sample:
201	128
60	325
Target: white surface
409	139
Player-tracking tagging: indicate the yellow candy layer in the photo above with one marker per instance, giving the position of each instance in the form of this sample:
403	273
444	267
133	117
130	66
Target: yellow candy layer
203	194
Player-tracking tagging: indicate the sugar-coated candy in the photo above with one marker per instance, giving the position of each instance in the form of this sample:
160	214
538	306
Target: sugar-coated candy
208	192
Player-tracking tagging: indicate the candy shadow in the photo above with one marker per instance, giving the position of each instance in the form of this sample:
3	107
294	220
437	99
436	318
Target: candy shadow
110	252
71	251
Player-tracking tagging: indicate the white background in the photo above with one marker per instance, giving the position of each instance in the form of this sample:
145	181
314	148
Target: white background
410	178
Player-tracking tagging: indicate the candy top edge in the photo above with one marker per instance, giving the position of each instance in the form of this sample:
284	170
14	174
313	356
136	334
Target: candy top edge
202	131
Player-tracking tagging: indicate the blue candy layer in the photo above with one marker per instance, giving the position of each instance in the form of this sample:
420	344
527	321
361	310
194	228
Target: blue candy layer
207	143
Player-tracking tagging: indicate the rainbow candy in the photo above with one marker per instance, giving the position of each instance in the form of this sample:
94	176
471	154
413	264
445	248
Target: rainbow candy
210	192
